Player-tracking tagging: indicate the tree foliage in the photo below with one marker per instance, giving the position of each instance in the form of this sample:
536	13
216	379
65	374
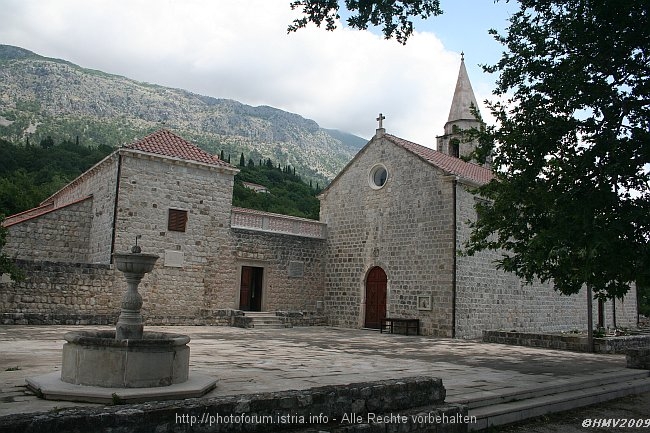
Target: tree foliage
394	16
288	194
29	174
571	199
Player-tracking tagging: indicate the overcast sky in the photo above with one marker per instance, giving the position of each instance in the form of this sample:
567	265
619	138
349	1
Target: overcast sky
240	49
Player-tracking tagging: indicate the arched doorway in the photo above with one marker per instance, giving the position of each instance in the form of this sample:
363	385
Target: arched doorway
375	297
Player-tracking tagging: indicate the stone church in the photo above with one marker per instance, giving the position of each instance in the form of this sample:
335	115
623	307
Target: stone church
391	226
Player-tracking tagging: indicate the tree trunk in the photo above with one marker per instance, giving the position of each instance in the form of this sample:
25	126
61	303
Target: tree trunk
590	321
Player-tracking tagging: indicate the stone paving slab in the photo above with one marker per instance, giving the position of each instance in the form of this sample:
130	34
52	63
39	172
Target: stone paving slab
250	360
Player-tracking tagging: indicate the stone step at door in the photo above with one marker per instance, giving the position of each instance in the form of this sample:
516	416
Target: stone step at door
265	320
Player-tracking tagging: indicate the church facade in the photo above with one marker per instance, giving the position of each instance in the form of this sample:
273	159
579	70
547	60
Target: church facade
391	226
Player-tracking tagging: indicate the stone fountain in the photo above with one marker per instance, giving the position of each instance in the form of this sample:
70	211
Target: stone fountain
128	364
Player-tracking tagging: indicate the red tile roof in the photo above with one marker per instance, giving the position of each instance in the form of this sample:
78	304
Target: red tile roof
38	211
450	164
166	143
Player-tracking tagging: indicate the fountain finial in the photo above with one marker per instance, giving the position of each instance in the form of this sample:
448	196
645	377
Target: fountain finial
135	248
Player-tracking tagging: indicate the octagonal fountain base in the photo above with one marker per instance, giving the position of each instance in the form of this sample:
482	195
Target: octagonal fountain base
98	368
96	358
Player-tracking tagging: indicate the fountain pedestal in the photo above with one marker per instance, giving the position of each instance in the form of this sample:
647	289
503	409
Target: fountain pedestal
134	266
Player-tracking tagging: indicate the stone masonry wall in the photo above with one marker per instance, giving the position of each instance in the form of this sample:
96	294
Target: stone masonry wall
183	281
408	405
60	293
293	269
489	299
405	227
89	294
100	182
59	235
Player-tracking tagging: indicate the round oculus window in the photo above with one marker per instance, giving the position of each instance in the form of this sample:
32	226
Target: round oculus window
378	176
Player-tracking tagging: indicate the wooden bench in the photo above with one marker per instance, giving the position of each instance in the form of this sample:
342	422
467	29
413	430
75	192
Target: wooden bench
395	325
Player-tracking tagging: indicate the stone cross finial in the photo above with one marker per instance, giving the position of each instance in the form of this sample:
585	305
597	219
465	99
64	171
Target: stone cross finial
380	120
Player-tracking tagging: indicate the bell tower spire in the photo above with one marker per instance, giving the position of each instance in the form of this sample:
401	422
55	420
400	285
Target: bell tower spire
460	116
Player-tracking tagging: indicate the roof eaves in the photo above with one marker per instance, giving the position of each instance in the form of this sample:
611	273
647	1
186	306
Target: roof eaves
219	167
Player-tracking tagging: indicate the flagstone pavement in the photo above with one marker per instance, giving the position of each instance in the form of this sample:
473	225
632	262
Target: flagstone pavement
251	361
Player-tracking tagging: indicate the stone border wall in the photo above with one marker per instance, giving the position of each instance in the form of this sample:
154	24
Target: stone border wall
302	318
638	358
618	345
304	411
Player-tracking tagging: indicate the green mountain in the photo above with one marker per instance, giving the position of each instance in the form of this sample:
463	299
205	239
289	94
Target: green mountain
42	97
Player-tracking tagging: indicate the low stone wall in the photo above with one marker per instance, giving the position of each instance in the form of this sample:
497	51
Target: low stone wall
577	343
413	404
56	293
302	318
638	358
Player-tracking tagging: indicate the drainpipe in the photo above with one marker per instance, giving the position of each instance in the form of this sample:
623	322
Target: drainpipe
454	183
117	195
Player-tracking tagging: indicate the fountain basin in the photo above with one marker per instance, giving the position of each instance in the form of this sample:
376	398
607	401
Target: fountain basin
136	263
96	358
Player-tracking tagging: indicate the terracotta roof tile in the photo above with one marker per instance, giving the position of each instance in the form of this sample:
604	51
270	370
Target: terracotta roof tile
166	143
38	211
450	164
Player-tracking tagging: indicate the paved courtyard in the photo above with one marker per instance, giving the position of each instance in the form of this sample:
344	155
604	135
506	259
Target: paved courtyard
248	360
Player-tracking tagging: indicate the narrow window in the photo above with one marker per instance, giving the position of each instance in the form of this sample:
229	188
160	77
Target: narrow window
177	220
454	147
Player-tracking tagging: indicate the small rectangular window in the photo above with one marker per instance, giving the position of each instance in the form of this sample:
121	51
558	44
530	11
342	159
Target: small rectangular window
177	220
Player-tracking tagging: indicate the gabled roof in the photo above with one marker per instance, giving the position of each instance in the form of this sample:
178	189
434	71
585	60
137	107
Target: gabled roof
166	143
466	170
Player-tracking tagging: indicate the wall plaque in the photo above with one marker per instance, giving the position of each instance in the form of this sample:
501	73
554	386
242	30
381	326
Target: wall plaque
296	269
174	259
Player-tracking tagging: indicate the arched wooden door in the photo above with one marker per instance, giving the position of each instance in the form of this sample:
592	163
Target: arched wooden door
375	297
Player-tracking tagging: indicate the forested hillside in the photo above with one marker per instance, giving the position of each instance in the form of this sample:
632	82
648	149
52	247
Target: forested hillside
287	195
30	173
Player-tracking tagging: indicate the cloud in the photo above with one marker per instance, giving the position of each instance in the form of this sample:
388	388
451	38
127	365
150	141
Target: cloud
241	50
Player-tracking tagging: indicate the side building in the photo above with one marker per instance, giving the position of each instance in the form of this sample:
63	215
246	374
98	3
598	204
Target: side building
178	199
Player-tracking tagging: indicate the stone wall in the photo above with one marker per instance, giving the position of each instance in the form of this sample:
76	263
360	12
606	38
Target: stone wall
61	234
293	269
638	358
405	227
575	342
414	404
90	294
100	181
487	298
60	293
183	281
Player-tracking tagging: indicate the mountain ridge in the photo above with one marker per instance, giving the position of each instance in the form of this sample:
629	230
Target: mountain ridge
41	97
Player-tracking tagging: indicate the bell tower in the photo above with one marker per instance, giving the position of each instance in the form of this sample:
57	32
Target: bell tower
460	117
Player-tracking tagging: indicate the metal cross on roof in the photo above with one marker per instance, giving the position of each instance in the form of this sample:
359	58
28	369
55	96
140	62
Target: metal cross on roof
380	120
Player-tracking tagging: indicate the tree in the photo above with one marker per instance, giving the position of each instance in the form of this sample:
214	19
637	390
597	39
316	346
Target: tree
394	16
242	160
570	202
